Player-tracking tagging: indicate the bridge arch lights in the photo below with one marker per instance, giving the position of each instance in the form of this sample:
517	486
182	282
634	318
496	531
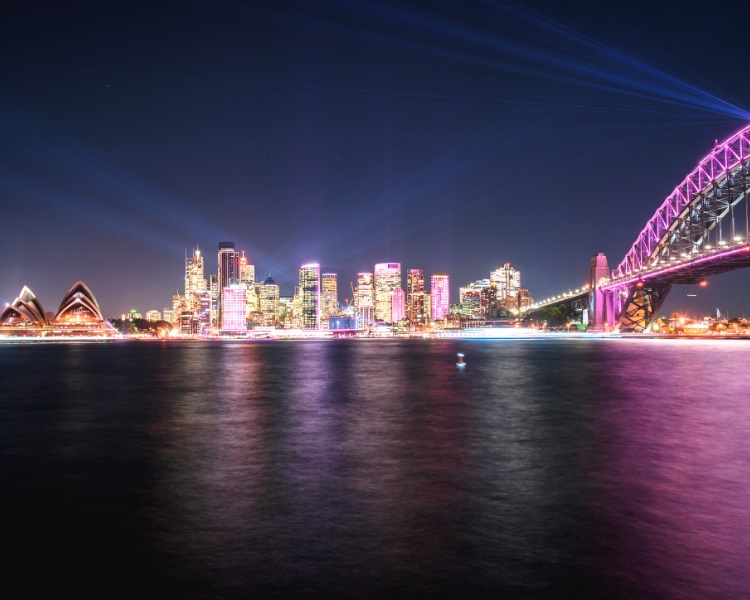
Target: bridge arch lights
709	208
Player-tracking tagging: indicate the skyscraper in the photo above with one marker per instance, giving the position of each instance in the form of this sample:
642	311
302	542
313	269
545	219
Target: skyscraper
178	305
473	299
202	308
398	305
329	301
247	271
439	297
364	299
195	282
213	285
269	301
415	295
229	271
387	279
507	280
309	293
247	279
233	316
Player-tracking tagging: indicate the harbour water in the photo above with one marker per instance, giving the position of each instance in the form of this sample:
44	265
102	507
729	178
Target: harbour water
601	468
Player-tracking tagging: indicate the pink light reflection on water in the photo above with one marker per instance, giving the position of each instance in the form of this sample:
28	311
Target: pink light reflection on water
672	482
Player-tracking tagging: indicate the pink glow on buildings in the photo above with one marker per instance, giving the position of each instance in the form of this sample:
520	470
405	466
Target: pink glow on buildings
233	317
387	279
398	305
439	297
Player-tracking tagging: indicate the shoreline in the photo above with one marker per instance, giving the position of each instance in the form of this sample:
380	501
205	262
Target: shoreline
500	335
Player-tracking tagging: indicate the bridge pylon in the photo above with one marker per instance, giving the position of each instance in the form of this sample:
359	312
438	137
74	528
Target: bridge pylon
629	307
602	315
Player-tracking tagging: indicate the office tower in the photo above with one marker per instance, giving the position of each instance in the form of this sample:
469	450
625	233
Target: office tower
524	300
309	295
253	298
507	280
387	279
415	295
329	299
213	282
471	302
194	278
153	315
229	271
295	314
286	311
439	297
233	316
490	302
247	271
188	323
247	279
364	299
398	305
202	308
178	305
268	292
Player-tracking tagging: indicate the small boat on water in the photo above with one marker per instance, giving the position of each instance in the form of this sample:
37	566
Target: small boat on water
461	363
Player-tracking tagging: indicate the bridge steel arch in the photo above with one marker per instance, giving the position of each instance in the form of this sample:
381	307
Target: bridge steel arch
701	229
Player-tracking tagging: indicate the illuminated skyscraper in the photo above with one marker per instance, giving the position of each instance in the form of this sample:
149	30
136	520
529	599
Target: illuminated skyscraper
178	305
387	279
524	299
329	301
202	308
213	283
364	299
398	305
507	280
247	271
233	310
269	301
415	295
194	280
439	297
286	311
229	271
309	293
471	302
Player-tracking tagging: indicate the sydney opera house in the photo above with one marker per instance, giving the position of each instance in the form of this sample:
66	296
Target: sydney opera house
79	315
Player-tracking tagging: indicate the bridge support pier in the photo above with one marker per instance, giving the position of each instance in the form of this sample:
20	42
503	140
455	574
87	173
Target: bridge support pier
641	305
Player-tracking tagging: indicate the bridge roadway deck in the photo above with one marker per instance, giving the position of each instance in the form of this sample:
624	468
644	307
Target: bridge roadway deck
690	271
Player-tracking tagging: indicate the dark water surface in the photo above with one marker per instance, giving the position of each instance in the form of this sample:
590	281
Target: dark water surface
546	469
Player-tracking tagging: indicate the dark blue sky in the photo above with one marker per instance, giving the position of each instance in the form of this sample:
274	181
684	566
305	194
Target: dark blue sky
448	136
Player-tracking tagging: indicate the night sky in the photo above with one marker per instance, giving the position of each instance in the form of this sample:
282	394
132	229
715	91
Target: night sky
448	136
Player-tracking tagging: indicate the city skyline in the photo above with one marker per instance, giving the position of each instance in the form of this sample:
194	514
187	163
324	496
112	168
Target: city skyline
231	304
452	138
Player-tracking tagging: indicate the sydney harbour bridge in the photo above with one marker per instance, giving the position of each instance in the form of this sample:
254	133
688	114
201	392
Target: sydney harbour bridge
700	230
